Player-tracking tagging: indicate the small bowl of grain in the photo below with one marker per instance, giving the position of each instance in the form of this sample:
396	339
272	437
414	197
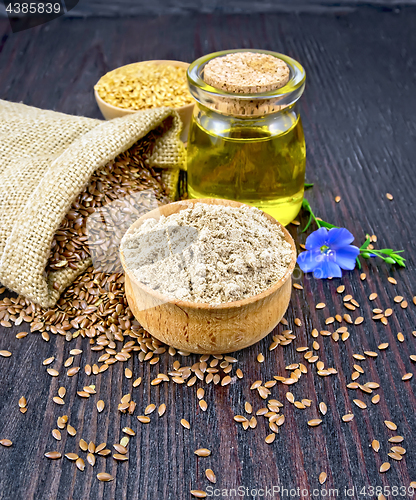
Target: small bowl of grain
208	275
146	85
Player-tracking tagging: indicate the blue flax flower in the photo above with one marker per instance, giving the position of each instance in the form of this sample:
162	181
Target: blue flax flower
328	251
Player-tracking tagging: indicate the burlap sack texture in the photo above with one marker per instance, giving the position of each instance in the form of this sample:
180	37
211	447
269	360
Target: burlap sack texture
46	160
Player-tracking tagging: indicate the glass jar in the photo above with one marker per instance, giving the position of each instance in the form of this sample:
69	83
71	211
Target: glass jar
248	147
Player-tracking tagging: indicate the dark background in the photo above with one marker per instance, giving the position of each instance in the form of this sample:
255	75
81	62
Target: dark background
358	112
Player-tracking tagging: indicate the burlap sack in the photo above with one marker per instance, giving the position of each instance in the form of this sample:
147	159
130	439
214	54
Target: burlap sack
46	160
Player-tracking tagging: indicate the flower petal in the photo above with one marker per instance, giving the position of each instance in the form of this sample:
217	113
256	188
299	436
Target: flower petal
317	239
339	237
345	256
309	260
327	269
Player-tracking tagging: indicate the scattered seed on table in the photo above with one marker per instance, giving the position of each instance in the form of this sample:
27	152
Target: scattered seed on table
100	405
389	196
385	467
320	305
137	382
104	452
71	456
396	439
390	425
348	417
407	376
337	200
209	473
314	422
239	373
200	393
161	410
360	404
5	442
91	459
398	449
83	445
198	493
322	477
185	424
80	464
383	346
149	409
363	276
71	430
358	320
202	452
69	362
400	337
73	371
48	361
373	296
395	456
53	455
203	405
143	419
91	447
56	434
225	381
297	286
128	431
52	372
260	358
21	335
104	476
375	399
124	441
270	438
375	445
323	408
120	448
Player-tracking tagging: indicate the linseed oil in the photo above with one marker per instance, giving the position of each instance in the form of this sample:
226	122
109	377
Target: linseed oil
253	165
246	140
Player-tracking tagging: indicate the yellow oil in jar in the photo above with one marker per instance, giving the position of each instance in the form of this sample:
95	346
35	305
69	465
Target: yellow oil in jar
253	165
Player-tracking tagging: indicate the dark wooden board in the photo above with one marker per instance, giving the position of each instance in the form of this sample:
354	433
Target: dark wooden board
358	112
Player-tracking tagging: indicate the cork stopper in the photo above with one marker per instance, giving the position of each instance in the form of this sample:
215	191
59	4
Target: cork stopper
246	73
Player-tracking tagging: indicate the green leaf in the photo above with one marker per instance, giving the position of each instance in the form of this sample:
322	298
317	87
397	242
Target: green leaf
308	223
326	224
308	185
365	244
358	262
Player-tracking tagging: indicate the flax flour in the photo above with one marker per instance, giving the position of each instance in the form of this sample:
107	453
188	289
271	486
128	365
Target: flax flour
209	253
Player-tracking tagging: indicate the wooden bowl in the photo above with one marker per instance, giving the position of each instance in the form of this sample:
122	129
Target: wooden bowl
185	112
205	328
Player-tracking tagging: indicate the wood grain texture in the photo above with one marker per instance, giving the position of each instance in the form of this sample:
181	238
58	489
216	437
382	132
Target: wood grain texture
358	113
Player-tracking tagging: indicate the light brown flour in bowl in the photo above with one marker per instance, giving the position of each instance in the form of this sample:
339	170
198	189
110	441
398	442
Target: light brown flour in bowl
209	253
